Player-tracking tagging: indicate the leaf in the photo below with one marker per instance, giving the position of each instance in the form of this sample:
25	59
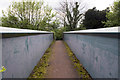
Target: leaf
3	69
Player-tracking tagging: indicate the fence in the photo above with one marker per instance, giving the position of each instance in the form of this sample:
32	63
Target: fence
97	50
21	50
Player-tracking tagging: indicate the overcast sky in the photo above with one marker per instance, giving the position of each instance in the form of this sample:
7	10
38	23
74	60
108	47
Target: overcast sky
99	4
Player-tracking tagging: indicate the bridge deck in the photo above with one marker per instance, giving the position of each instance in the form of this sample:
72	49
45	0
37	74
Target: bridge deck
60	64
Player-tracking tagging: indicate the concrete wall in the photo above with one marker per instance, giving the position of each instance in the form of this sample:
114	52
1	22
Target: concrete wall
21	54
97	52
0	55
21	49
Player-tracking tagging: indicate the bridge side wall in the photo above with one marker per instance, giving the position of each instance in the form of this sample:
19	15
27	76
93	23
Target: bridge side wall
0	55
97	53
21	54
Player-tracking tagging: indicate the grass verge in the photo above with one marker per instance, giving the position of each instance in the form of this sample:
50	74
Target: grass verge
79	67
40	69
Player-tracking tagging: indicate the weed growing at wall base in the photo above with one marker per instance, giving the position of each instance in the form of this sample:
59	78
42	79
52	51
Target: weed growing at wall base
40	69
82	72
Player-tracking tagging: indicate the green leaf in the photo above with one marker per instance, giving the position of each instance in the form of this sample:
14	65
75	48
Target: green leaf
3	69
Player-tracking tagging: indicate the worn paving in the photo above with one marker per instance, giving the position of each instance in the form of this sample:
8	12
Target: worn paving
60	65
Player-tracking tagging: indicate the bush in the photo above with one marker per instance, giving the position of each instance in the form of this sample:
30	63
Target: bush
58	34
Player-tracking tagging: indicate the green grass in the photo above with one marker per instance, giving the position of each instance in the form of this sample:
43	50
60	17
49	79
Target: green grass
79	67
40	69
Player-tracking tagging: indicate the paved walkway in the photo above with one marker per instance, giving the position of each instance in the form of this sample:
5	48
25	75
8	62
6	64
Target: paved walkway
60	64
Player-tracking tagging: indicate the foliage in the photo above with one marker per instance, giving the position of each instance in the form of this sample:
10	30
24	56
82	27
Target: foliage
29	14
0	24
3	69
94	18
59	33
114	15
81	27
72	15
82	72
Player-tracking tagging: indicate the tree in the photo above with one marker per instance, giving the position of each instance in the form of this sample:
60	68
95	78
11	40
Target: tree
72	14
94	18
114	15
59	33
28	14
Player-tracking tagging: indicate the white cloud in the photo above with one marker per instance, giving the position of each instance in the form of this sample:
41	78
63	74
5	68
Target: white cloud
100	4
4	4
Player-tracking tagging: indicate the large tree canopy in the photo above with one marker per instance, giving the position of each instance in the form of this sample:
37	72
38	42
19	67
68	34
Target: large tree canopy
114	15
29	14
94	18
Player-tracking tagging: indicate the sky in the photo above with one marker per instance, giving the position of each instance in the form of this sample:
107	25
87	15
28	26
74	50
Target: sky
99	4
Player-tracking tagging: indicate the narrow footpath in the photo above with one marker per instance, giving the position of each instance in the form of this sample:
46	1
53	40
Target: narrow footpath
60	65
